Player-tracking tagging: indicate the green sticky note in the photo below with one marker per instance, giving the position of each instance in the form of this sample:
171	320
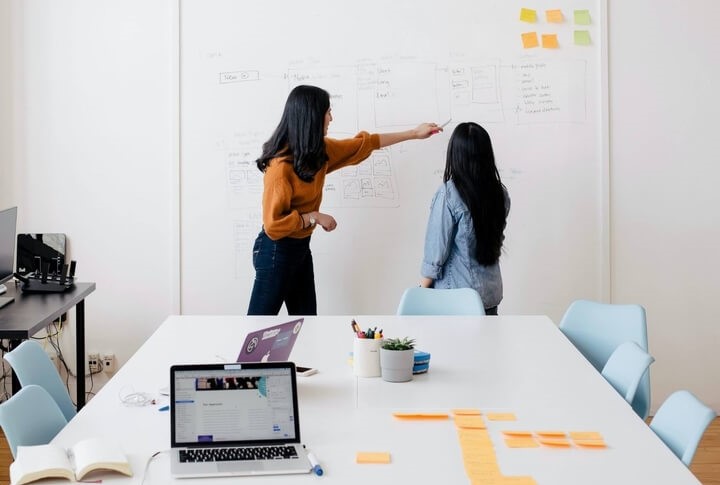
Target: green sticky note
582	37
582	17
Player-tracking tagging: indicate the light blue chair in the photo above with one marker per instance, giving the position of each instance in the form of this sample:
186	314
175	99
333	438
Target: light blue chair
680	423
30	417
597	329
431	301
625	368
33	366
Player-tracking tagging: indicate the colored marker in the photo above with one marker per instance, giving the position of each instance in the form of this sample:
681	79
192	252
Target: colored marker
445	124
316	468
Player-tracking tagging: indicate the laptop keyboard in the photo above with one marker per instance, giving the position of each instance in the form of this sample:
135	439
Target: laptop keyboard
238	454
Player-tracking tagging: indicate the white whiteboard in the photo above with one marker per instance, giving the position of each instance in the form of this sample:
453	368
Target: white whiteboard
388	66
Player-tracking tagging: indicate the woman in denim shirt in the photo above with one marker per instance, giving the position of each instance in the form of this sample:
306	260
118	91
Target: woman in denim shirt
468	214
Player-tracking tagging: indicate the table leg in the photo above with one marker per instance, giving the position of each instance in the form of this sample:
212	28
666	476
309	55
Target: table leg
15	382
80	352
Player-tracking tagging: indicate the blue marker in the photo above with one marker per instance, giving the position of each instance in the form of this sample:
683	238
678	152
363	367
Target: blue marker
317	469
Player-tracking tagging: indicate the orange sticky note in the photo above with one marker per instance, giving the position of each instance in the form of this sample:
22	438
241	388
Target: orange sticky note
372	457
518	433
528	15
551	434
530	40
591	443
550	41
421	415
501	416
469	422
554	16
585	435
521	442
560	442
466	411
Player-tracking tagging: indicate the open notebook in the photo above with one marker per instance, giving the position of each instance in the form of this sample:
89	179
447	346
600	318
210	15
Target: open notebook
235	419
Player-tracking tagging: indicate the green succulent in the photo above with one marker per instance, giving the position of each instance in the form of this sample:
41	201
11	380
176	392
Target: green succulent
405	343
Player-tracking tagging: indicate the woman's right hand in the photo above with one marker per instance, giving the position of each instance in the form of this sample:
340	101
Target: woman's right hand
327	221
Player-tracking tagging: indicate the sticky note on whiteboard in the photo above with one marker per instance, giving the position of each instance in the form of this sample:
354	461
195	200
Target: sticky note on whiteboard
550	41
581	37
528	15
530	40
554	16
582	17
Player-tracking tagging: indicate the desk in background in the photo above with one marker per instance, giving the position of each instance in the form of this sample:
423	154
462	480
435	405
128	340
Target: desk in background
30	313
517	364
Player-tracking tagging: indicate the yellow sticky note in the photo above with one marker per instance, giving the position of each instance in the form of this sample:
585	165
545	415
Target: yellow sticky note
585	435
501	416
581	37
550	41
466	411
372	457
521	442
530	40
554	16
528	15
582	17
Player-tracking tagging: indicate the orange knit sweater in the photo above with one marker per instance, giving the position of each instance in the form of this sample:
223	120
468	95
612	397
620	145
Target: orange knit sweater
285	196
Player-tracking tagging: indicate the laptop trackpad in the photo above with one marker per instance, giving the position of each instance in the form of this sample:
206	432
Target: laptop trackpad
240	467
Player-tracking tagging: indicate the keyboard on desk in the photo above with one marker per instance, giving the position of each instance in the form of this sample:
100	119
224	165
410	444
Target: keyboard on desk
238	454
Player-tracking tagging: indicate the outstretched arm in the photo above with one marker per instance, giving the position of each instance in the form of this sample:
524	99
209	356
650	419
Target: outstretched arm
421	132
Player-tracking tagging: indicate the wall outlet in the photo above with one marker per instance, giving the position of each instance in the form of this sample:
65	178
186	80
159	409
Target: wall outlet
108	363
94	362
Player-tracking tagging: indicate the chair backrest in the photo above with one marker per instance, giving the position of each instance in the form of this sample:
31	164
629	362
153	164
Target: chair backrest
625	368
33	366
431	301
680	423
596	330
30	417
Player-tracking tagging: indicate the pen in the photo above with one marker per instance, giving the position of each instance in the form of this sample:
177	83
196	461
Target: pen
164	408
316	468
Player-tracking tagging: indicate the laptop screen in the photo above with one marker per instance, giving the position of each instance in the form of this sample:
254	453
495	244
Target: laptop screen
233	404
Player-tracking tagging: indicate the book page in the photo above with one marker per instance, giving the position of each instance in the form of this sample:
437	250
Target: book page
93	454
42	461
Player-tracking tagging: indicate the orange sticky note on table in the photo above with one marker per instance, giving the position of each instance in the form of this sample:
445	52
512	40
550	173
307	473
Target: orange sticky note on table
521	442
470	422
590	443
551	434
529	40
421	415
517	433
466	412
554	16
501	416
528	15
550	41
372	457
585	435
560	442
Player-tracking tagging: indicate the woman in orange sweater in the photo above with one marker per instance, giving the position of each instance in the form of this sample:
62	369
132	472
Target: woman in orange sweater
295	160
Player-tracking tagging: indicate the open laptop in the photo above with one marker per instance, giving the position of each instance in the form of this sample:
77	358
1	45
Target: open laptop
235	419
271	344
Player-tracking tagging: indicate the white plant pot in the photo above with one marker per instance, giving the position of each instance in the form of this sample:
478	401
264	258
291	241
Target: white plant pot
397	365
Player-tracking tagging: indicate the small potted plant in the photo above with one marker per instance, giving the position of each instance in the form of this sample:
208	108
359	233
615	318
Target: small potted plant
397	356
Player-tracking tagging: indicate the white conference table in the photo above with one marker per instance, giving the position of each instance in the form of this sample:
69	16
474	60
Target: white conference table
514	364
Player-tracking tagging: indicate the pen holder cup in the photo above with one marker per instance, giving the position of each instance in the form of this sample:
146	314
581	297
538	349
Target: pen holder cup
366	357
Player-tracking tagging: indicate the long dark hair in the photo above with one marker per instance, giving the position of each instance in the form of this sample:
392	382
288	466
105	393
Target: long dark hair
470	164
300	134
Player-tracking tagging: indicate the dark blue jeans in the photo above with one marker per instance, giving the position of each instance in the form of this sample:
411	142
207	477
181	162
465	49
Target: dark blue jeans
283	274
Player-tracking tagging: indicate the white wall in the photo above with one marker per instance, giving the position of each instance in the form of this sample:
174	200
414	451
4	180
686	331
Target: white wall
6	118
665	203
95	85
96	153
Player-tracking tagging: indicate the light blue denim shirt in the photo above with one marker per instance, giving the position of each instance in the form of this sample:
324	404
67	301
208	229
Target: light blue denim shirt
450	248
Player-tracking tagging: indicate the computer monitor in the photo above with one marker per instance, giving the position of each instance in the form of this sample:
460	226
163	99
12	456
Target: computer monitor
8	224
